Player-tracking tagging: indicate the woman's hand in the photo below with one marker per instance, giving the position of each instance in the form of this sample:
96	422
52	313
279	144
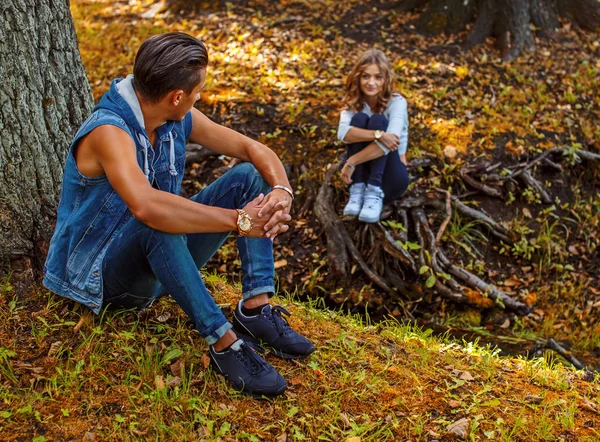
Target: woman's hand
347	172
390	140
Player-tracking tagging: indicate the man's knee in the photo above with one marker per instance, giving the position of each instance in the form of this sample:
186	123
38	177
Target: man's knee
377	122
359	120
255	183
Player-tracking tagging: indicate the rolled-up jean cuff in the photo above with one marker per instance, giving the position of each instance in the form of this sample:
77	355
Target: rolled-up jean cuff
218	333
269	289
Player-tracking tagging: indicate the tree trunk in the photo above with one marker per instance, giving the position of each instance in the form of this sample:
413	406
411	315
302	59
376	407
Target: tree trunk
507	20
44	98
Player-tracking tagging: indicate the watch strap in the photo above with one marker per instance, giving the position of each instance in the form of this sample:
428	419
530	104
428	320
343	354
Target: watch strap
242	214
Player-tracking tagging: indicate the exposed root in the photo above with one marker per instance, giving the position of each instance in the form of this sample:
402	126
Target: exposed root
552	344
392	262
427	243
486	289
495	229
483	188
392	247
536	185
444	224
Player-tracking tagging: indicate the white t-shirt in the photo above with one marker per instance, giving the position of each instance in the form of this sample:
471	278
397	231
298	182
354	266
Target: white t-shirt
396	113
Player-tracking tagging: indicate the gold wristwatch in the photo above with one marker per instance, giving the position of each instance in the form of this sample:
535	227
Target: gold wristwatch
378	134
244	222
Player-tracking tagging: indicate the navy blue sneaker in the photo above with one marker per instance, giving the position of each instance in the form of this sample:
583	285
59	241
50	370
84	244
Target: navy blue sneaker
272	330
246	370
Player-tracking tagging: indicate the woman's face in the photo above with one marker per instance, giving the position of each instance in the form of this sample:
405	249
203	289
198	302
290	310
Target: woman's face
371	81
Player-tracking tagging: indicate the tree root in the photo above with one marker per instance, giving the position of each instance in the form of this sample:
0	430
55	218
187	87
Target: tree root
392	262
507	20
482	187
553	345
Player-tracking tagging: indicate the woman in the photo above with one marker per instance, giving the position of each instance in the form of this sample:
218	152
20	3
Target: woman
374	125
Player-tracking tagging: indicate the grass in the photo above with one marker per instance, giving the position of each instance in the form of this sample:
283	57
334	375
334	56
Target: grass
126	375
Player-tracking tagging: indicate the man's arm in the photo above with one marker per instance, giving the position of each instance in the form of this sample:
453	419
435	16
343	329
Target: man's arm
115	151
231	143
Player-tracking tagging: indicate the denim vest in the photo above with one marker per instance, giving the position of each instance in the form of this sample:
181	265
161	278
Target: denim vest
90	212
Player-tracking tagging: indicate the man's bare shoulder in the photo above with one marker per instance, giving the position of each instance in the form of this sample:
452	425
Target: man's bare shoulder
102	144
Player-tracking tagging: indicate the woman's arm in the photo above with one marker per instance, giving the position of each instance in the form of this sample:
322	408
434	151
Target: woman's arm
398	124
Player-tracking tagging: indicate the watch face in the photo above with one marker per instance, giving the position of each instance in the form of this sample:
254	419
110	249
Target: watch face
245	223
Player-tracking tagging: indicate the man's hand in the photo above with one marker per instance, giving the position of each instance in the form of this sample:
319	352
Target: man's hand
347	173
390	140
277	205
269	215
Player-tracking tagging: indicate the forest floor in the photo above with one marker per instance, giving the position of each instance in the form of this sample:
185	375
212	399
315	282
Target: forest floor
276	74
67	375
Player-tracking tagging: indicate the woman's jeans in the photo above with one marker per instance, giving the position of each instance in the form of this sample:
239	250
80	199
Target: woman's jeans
387	171
142	263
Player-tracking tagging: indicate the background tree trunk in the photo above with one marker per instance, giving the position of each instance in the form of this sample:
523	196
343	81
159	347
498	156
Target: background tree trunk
507	20
44	98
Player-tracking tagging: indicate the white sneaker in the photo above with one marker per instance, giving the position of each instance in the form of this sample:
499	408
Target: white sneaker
372	206
355	203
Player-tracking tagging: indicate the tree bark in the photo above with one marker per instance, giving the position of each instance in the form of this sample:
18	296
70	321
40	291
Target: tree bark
44	98
507	20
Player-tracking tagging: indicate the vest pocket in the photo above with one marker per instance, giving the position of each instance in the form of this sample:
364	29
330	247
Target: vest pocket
94	240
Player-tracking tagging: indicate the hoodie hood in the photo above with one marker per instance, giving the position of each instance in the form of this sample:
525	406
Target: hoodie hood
122	100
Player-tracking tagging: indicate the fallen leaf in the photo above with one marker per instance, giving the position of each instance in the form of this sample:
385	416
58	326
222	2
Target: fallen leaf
282	438
174	382
533	399
80	323
177	368
588	405
466	376
460	427
54	348
164	317
159	382
280	263
345	420
526	213
454	403
353	439
205	361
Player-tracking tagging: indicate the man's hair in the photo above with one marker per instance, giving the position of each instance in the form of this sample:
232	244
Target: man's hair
168	62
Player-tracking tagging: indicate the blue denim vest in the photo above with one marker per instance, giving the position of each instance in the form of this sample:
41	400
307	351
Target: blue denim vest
90	212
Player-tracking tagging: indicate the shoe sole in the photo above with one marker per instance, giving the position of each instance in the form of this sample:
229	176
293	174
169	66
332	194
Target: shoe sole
368	220
262	346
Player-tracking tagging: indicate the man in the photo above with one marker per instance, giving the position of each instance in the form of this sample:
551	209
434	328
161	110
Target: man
124	236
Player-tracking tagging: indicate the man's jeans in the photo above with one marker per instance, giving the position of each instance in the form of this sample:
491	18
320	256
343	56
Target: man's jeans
143	263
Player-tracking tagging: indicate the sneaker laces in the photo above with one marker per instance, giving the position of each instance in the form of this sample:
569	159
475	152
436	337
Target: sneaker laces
249	358
279	321
371	201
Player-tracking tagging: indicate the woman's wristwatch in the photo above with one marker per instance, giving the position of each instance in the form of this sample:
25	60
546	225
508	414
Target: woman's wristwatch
378	134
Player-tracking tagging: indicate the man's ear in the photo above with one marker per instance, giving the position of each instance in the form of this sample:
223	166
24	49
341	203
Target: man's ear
176	97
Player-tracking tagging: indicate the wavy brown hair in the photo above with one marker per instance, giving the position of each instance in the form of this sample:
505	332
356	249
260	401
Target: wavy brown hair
354	99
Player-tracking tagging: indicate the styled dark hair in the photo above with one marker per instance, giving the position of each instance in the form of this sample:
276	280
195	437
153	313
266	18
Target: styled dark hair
167	62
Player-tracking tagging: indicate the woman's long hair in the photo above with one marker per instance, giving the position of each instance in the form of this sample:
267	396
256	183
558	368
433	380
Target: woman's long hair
354	99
